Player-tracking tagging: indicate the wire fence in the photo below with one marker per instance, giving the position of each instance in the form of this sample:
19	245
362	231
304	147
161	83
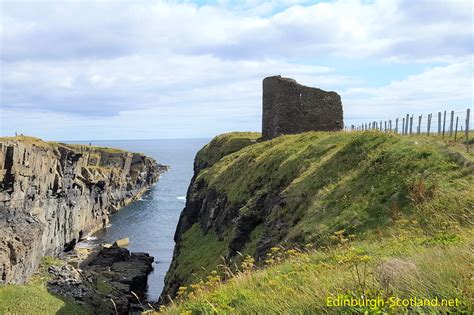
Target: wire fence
451	124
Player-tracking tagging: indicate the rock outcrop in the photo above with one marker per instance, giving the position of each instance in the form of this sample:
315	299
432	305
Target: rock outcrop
113	274
53	194
289	108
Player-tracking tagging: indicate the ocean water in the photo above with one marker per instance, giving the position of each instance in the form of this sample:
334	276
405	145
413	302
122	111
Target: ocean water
150	223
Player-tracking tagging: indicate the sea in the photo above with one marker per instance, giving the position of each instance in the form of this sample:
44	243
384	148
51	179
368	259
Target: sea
150	222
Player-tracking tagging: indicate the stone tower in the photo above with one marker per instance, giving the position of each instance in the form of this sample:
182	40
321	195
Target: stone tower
289	108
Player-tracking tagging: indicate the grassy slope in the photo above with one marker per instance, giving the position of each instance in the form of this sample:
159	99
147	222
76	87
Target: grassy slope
397	196
302	284
34	298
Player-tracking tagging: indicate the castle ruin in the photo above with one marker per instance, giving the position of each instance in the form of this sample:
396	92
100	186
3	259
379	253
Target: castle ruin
289	108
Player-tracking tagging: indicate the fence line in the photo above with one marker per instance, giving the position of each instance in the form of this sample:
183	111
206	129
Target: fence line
422	126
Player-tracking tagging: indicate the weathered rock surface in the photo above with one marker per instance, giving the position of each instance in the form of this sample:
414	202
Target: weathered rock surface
52	195
112	275
289	108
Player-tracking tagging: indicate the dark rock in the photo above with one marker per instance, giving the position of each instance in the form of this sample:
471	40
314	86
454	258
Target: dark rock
112	275
52	195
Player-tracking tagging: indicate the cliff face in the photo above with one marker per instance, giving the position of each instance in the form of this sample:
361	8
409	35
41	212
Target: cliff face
248	196
206	218
52	195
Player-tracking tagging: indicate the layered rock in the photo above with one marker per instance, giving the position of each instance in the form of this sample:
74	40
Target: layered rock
113	274
53	194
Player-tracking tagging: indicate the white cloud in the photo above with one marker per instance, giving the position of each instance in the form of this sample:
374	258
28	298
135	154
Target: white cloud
99	63
107	86
389	29
441	88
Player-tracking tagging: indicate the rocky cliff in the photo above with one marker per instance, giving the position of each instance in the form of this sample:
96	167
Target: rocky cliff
54	194
316	188
202	234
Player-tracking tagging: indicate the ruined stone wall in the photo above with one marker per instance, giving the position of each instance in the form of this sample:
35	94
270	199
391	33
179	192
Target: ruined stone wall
51	195
289	108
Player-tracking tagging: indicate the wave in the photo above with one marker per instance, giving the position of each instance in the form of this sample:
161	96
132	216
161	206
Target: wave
181	198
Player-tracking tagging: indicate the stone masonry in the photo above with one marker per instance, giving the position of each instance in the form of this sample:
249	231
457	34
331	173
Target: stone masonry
290	108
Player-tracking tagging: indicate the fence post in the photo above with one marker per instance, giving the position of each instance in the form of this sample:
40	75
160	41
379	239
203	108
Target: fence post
403	126
385	126
429	124
444	122
419	124
411	124
439	123
468	112
390	125
451	124
407	120
407	126
396	125
456	130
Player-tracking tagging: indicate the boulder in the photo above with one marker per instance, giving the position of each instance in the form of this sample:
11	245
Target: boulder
122	242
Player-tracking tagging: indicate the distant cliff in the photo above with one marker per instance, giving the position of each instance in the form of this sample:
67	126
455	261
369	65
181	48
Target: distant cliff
53	194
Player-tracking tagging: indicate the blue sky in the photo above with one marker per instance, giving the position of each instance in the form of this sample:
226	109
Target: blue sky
76	70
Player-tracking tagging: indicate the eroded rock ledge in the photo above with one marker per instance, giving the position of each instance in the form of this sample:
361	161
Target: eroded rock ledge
53	194
111	281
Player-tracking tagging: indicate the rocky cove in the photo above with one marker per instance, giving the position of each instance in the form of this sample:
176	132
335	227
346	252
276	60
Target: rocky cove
53	195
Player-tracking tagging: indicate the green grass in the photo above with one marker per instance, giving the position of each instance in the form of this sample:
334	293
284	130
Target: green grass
352	181
200	254
223	145
52	144
103	286
34	298
302	284
407	197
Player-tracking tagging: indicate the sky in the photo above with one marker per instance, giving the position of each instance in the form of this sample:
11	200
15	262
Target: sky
77	70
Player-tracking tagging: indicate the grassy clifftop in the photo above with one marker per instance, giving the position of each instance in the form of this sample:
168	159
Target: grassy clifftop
52	144
366	203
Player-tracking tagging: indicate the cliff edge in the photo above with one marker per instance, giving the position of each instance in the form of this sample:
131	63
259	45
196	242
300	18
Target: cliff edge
249	197
54	194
